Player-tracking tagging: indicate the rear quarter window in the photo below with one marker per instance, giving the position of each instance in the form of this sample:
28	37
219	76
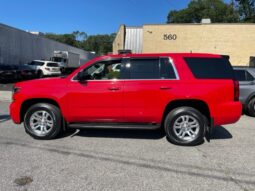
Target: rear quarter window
210	68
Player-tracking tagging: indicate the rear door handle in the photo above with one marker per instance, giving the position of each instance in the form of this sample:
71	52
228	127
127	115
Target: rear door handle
114	88
165	88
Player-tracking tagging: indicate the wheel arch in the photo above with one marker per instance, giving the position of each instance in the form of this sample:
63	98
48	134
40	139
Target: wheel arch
250	97
29	102
200	105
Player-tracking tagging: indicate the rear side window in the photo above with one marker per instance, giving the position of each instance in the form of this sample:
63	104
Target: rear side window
152	68
243	75
144	69
166	69
210	68
50	64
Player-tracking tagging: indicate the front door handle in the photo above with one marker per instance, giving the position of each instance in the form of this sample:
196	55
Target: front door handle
165	88
114	88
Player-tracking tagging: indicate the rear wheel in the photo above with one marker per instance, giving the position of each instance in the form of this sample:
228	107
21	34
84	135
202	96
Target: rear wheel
251	107
185	126
43	121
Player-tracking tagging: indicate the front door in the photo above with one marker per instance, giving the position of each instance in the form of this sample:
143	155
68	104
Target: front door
100	98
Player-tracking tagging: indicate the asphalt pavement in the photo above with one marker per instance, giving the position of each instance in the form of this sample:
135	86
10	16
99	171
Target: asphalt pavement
126	160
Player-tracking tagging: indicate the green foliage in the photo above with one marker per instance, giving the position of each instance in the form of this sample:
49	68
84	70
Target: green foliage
101	44
246	10
216	10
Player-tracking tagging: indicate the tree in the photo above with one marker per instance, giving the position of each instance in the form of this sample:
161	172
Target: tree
101	44
216	10
246	9
69	39
80	36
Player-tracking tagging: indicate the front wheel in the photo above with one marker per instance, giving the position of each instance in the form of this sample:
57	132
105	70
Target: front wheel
43	121
185	126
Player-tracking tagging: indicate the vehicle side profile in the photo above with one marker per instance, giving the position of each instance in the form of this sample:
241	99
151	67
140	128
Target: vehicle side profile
186	94
45	68
246	78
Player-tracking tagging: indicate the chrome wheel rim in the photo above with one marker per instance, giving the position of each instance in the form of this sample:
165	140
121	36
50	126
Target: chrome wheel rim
186	128
41	122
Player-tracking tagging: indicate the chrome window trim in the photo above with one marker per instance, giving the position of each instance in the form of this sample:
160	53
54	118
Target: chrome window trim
170	60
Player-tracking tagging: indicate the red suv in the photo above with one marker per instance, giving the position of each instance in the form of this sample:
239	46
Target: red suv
186	94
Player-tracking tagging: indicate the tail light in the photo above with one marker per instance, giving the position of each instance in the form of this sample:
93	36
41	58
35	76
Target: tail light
47	69
236	90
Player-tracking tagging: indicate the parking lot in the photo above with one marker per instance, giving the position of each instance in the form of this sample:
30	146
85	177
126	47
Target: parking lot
126	160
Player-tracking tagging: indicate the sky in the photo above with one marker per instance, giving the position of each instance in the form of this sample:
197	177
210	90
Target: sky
90	16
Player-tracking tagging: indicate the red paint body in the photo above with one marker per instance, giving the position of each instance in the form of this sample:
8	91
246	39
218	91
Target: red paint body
136	101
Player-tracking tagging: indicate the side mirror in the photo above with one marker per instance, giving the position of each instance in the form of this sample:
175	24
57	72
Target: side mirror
81	76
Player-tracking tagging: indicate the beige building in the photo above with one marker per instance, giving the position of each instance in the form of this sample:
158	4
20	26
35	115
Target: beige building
235	40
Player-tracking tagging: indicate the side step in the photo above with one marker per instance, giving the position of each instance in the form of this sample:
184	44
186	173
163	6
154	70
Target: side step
114	125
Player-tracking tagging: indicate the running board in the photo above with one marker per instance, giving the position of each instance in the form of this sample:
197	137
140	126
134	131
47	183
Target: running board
114	126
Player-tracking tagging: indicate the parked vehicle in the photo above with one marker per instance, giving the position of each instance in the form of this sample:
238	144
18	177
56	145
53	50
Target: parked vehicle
8	72
246	78
67	60
45	68
26	72
186	94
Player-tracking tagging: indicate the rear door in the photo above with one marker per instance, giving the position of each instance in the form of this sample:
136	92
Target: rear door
147	88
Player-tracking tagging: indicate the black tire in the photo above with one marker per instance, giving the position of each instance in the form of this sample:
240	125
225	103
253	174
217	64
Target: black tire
40	74
54	114
174	116
251	107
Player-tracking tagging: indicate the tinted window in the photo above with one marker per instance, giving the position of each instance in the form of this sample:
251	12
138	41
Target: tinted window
35	63
166	69
243	75
50	64
104	70
144	69
240	75
249	77
210	68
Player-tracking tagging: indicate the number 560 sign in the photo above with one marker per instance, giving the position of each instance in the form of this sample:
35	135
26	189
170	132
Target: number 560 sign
170	37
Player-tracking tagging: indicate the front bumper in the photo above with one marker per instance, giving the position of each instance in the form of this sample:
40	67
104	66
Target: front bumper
15	108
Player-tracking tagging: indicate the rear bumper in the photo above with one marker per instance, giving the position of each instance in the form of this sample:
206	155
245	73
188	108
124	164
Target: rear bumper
15	112
227	113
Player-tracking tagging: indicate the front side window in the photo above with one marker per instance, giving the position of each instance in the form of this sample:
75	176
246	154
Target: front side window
38	63
105	70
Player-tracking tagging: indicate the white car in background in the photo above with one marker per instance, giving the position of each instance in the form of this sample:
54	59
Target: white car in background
45	68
